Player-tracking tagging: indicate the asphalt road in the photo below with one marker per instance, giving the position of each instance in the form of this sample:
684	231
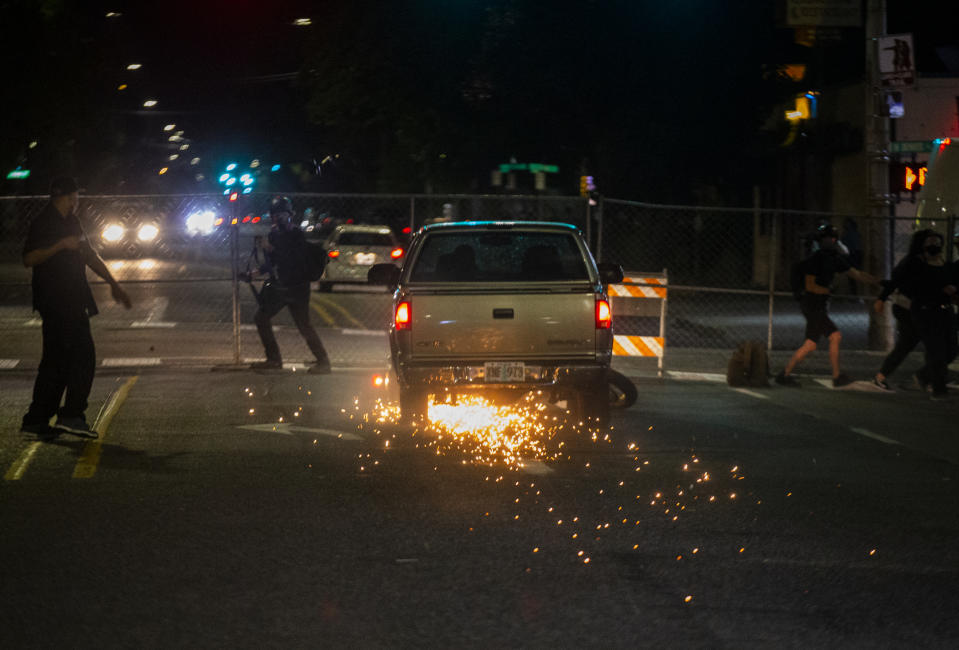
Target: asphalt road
233	509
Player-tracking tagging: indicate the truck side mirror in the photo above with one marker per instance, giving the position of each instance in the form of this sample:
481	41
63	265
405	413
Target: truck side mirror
384	274
610	273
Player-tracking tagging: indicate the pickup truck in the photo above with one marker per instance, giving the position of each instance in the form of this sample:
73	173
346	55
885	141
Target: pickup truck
504	308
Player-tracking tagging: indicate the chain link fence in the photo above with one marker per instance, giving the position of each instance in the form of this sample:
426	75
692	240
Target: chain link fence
728	269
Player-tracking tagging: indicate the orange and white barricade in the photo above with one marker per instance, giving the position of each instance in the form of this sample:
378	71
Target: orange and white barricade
641	294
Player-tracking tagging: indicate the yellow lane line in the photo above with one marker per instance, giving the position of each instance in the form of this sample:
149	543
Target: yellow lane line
20	465
87	463
342	310
323	314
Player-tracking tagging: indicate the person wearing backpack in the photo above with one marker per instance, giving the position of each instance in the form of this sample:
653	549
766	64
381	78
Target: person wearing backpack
287	265
819	271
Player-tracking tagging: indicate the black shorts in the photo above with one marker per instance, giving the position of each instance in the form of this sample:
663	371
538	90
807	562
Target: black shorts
816	310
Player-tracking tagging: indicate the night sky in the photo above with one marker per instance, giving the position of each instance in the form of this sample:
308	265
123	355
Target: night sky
414	94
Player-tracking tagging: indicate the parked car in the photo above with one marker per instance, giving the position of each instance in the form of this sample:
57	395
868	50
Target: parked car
352	249
503	308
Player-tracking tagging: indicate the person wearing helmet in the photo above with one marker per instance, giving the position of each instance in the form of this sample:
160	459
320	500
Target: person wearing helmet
286	265
819	271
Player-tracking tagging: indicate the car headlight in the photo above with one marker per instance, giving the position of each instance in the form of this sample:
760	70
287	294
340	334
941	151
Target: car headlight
148	232
112	232
201	223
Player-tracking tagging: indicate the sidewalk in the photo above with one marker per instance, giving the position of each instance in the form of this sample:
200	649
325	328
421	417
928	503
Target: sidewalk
858	364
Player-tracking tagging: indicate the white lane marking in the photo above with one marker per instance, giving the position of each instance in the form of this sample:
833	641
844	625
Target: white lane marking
7	364
714	377
155	316
751	393
364	332
288	429
875	436
121	362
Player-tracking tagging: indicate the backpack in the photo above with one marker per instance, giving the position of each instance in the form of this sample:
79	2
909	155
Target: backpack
749	365
315	260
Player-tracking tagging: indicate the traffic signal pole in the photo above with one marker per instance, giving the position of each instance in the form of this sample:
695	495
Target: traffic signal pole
876	150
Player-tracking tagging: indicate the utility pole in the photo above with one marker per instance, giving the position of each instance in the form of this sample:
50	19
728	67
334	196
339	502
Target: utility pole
876	141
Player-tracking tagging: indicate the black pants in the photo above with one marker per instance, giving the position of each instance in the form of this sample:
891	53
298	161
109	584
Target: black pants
937	326
273	299
907	338
68	364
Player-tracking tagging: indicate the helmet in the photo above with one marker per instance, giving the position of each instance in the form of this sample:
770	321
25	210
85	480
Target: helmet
281	204
827	230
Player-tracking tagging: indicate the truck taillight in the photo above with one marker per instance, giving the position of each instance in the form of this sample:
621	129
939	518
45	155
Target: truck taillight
604	315
403	316
396	253
333	254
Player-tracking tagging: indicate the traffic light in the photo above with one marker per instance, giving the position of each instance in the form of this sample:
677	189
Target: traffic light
907	177
586	185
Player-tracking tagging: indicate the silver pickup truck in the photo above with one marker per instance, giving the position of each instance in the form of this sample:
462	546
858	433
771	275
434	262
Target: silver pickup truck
501	307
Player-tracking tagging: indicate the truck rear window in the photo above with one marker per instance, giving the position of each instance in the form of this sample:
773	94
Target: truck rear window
364	239
499	256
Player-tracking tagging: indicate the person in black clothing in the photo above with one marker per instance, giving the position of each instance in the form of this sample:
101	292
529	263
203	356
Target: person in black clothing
819	270
931	285
286	264
57	251
907	337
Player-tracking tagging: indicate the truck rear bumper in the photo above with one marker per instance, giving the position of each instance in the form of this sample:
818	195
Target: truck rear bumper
473	376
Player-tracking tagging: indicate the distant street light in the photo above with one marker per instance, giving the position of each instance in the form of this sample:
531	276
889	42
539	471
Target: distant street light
122	87
134	66
162	171
150	103
169	127
302	22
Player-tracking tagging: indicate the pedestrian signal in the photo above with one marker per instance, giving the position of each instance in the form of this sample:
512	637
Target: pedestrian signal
907	177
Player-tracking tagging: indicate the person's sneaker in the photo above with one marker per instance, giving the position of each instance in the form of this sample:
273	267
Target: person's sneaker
882	384
939	396
787	380
920	383
266	365
77	425
319	369
41	430
841	380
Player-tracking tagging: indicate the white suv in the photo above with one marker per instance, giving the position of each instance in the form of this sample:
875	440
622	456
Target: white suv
352	249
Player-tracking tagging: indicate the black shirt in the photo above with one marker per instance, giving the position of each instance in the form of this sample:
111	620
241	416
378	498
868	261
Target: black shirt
924	283
824	265
289	257
59	282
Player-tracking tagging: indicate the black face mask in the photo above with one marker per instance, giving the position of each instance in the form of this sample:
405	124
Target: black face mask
932	251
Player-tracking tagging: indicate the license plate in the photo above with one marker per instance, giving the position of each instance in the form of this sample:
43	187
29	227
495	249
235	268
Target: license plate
505	371
365	259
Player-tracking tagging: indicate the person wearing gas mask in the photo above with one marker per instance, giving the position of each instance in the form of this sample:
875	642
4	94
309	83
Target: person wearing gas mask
285	257
819	271
931	285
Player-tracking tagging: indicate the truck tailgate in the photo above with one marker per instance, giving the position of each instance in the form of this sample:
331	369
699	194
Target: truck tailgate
504	326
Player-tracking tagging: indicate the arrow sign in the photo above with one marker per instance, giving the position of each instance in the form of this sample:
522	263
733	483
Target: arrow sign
288	429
